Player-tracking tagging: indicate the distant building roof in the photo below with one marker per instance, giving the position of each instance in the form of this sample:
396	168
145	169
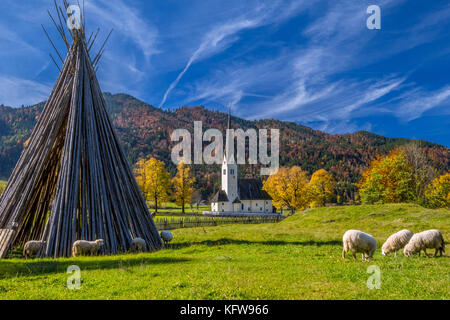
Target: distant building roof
220	196
237	200
251	189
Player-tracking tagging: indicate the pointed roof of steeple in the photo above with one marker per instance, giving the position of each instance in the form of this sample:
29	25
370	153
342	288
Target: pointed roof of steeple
229	117
232	140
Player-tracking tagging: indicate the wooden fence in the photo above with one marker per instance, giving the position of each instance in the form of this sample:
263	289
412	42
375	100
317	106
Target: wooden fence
208	221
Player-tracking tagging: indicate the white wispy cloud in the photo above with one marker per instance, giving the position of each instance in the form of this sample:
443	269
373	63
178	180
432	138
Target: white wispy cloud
417	101
16	91
223	35
319	81
126	21
214	41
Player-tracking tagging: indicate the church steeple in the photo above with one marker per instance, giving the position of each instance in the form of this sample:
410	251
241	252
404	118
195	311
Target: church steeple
229	167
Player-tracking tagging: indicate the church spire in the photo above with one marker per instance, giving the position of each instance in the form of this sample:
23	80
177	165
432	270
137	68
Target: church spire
229	139
229	117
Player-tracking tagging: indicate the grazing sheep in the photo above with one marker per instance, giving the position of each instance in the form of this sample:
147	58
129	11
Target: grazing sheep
396	242
31	248
431	239
83	247
167	236
138	245
358	241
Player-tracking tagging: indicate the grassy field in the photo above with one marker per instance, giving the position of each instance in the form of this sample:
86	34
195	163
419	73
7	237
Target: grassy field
298	258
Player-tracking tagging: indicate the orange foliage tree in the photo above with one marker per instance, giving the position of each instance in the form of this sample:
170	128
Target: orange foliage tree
183	183
438	192
321	188
388	179
154	180
288	188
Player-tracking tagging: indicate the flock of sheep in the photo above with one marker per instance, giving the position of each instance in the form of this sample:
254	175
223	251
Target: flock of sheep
353	240
359	242
91	248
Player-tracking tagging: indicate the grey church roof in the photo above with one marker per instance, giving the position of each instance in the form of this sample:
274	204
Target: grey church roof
251	189
220	196
237	200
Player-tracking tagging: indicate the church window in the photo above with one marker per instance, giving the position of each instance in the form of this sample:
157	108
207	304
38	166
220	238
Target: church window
224	171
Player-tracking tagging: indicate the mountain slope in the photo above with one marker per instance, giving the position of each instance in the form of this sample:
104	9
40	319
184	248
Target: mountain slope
145	131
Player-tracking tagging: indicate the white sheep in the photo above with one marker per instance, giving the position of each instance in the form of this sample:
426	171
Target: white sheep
83	247
430	239
396	242
358	241
138	245
31	248
167	236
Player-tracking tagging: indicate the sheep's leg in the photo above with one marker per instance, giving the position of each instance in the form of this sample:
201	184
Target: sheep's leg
354	254
425	251
436	252
395	254
343	254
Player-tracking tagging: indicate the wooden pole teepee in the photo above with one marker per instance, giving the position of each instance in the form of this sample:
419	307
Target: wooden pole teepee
73	180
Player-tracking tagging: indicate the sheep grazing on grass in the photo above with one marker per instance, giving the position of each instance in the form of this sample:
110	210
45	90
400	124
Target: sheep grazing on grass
83	247
430	239
167	236
31	248
358	241
396	242
138	245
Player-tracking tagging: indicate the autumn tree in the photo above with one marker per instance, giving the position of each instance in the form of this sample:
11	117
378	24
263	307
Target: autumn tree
423	171
288	188
154	180
321	188
183	184
389	179
438	193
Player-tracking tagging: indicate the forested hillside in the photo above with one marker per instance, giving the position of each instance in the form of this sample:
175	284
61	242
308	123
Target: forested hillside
145	131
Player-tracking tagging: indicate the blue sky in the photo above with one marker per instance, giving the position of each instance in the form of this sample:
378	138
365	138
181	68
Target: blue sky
312	62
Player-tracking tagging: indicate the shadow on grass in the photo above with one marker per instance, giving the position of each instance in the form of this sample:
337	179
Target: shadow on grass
225	241
39	267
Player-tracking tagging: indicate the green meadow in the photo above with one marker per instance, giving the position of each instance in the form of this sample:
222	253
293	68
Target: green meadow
298	258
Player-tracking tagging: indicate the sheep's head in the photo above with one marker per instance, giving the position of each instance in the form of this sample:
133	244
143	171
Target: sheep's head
407	252
100	242
383	252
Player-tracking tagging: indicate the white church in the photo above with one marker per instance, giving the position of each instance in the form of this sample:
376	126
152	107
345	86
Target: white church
239	196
